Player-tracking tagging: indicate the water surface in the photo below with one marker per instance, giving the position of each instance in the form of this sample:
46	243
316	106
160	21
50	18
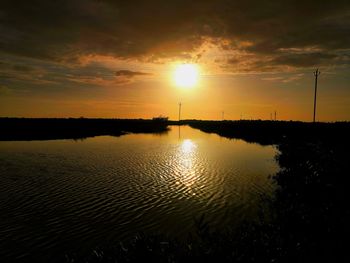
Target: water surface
63	195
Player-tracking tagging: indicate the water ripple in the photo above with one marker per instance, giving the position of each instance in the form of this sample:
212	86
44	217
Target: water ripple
64	195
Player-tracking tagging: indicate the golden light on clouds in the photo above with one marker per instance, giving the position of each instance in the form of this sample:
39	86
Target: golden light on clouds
126	65
186	75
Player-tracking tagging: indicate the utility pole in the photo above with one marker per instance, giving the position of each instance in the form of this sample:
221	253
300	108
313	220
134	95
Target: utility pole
179	111
275	115
316	74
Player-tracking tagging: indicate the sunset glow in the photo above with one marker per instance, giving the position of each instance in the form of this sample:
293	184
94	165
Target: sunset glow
186	75
114	61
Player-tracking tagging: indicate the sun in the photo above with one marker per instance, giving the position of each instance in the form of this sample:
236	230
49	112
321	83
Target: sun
186	75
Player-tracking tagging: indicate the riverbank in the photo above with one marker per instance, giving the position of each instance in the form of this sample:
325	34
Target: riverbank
73	128
275	132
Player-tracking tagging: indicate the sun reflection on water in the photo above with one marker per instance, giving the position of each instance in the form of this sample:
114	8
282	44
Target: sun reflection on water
188	146
186	165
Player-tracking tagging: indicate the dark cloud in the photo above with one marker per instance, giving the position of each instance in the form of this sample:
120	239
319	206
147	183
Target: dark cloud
4	90
9	66
22	68
67	29
278	60
304	60
129	74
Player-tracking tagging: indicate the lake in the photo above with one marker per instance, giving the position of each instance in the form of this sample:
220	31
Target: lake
65	196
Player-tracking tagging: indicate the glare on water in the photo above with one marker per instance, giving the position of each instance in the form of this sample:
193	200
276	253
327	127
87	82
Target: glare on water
105	188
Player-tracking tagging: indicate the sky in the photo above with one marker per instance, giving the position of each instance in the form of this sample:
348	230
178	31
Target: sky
116	59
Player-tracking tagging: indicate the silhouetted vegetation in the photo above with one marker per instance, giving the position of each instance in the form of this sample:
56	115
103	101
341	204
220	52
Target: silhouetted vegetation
274	132
71	128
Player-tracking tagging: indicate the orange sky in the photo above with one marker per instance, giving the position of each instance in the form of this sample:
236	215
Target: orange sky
252	96
110	59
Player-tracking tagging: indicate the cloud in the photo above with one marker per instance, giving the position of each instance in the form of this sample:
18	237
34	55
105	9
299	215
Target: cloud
284	79
130	74
4	90
264	34
304	60
99	82
17	67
